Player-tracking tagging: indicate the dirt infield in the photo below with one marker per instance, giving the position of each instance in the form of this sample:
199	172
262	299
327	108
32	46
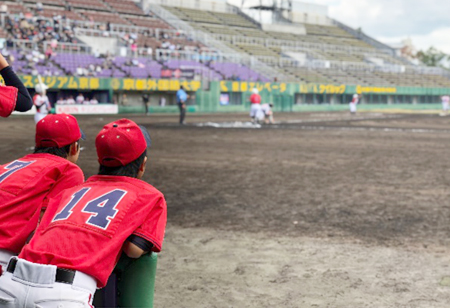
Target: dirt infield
320	210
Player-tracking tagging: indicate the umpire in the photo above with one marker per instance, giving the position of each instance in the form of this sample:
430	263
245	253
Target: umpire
182	97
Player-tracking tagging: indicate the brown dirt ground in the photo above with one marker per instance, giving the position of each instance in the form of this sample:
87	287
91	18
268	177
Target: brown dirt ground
320	210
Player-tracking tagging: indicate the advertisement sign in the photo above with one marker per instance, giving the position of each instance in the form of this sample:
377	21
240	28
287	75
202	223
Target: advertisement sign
224	99
88	109
177	73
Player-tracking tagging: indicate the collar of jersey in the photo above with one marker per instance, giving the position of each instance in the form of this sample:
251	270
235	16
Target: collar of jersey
116	178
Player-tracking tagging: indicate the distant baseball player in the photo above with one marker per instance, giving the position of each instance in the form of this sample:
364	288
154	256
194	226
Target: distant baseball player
145	100
27	184
268	113
353	104
86	228
14	95
255	108
445	103
41	102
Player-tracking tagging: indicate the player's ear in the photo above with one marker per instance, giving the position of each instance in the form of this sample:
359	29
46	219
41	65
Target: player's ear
74	148
143	165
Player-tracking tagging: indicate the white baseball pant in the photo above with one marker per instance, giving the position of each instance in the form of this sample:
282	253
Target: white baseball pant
33	286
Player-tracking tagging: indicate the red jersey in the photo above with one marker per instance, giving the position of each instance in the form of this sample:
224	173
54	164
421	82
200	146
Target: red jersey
85	227
26	185
255	99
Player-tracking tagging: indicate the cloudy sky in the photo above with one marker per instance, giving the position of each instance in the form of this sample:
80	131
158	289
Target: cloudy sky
426	22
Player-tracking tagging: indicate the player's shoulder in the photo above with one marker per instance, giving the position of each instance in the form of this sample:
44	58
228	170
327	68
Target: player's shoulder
124	182
53	161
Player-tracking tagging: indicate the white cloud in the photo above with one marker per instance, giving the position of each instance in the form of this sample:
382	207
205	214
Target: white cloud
437	38
425	21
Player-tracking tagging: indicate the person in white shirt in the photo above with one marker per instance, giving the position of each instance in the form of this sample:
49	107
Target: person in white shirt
93	101
41	102
268	113
80	99
353	104
445	103
70	100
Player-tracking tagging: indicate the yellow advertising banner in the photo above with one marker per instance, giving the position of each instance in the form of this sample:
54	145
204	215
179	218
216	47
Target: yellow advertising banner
248	86
322	88
381	90
130	84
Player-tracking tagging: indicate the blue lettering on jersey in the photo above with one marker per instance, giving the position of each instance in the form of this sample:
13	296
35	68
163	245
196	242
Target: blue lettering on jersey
14	167
102	209
67	210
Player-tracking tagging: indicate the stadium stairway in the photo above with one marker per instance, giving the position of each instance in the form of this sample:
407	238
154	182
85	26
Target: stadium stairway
207	40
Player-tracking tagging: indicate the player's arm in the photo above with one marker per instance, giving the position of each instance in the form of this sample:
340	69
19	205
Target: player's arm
136	246
150	235
24	101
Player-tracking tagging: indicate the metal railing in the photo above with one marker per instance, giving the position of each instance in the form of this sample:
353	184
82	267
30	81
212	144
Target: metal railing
23	44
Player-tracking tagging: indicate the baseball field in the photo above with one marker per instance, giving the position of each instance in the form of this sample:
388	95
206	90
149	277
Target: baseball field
320	210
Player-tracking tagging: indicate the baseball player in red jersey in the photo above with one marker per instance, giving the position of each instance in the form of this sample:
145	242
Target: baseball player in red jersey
85	228
27	184
255	108
14	95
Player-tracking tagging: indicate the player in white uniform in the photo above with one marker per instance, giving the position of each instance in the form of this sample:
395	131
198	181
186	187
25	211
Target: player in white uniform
445	103
353	103
41	102
268	113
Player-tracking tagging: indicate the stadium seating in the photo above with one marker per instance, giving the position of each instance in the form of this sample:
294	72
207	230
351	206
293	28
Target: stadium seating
235	71
126	7
49	2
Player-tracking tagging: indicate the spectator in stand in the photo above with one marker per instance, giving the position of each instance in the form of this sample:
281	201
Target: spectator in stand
134	48
48	53
39	7
93	101
80	99
61	101
70	100
80	71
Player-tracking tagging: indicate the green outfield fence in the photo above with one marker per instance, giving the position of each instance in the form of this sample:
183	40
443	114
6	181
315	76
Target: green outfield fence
232	96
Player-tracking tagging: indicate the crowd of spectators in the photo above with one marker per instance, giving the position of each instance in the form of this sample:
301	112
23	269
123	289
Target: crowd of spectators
79	100
37	29
47	35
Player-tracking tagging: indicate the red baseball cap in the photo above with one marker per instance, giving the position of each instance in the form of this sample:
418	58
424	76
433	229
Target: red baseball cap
121	142
58	130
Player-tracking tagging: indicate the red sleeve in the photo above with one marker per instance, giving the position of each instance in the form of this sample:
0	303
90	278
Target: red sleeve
154	225
72	176
8	99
